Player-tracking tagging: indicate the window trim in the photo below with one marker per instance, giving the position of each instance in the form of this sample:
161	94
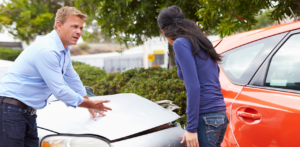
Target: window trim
258	80
275	89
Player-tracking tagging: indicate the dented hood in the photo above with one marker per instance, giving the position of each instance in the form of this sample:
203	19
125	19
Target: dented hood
130	114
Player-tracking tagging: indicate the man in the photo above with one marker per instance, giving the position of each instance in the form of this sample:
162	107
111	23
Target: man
44	68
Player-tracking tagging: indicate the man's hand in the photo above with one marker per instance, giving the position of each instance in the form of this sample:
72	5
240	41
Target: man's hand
95	106
99	108
191	139
94	113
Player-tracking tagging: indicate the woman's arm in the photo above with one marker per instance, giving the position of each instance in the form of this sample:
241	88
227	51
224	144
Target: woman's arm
185	58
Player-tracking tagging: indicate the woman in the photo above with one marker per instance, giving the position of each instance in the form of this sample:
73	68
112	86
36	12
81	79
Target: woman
196	61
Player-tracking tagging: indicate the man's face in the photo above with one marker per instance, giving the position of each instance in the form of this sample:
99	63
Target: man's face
71	30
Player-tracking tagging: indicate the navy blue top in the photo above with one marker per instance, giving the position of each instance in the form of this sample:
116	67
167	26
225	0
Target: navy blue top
201	79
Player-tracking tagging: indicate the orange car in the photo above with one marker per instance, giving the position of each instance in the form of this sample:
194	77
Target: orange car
260	80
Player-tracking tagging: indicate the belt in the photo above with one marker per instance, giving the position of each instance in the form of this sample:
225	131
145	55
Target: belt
15	102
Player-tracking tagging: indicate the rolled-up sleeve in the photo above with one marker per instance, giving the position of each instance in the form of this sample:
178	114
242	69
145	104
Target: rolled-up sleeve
47	63
73	80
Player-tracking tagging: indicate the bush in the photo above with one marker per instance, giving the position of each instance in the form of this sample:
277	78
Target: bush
84	46
89	75
153	84
9	54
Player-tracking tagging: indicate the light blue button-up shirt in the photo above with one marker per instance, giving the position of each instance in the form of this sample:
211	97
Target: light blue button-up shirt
44	68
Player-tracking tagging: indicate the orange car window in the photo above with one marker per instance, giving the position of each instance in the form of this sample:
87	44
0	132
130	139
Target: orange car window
284	70
241	63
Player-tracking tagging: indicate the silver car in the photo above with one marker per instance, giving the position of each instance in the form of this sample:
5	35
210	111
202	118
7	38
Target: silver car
4	67
133	122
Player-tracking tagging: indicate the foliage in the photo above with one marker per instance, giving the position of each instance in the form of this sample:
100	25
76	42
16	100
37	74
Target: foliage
26	19
225	17
83	46
132	21
221	16
89	75
153	84
9	54
281	9
263	20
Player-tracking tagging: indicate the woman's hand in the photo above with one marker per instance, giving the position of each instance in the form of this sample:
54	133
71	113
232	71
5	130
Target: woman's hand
191	139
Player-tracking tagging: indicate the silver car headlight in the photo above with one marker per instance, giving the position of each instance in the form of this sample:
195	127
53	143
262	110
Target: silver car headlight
73	141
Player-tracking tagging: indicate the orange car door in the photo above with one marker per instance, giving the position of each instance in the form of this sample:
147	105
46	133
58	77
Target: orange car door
267	111
237	69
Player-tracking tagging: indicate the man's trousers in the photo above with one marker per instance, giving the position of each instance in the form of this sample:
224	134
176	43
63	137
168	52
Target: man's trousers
17	127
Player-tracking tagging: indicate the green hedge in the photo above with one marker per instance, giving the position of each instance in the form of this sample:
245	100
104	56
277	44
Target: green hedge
153	83
9	54
89	75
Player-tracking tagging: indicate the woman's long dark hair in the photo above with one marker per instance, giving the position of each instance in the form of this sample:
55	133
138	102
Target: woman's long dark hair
171	20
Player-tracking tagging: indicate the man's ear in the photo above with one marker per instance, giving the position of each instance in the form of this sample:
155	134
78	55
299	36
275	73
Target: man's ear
58	25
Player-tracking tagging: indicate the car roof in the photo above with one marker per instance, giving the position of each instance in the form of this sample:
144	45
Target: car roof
240	39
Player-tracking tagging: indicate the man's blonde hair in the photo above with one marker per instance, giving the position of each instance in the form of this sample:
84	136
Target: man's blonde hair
64	12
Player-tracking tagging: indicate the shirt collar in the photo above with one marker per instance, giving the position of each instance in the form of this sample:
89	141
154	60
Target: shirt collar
59	42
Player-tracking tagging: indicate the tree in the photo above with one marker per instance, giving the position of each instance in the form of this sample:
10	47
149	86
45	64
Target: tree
25	19
225	17
133	21
263	20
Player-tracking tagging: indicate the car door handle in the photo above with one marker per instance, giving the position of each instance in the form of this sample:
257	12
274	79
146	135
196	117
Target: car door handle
248	115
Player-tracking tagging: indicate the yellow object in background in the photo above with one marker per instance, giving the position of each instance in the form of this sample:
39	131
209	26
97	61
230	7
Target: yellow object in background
151	57
158	51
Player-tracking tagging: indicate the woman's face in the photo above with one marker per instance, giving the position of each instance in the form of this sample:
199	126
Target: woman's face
169	39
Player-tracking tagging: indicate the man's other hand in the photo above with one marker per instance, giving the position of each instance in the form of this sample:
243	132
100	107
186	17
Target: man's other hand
99	108
94	113
95	107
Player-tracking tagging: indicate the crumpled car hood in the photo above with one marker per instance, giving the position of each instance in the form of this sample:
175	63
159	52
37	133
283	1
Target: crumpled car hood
130	114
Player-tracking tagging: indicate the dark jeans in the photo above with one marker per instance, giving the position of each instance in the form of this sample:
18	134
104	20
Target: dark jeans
211	129
17	127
